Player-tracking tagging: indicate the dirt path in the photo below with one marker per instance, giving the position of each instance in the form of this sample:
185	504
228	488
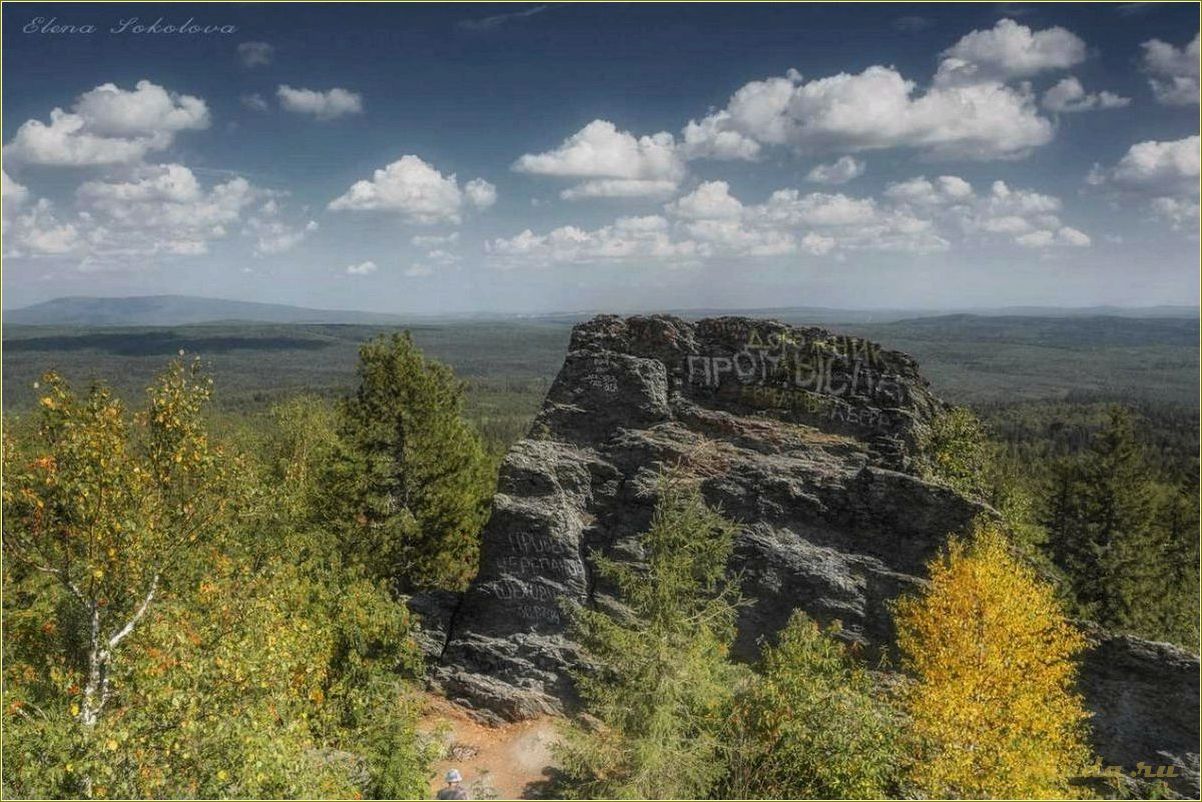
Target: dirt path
505	762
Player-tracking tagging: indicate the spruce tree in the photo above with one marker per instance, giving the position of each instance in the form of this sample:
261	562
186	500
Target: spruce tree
1127	543
409	484
813	724
662	684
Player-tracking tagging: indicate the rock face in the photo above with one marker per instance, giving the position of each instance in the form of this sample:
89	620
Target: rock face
806	439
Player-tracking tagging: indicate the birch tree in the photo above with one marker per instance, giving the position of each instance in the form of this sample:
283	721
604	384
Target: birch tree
106	506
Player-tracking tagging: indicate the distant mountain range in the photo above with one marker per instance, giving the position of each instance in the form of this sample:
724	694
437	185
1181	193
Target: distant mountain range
179	310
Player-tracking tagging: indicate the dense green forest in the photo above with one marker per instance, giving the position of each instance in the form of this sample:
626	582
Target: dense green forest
203	553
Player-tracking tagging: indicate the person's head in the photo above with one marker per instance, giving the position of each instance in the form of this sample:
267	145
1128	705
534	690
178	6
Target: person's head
454	777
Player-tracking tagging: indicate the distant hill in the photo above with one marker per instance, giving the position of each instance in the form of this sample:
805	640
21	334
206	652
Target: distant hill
183	310
178	310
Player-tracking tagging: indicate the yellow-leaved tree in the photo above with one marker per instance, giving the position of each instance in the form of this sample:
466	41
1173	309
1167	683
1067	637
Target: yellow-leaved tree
992	705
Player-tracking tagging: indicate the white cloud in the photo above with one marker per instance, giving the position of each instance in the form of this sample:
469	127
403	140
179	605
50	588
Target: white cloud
434	240
630	240
612	163
1068	96
1174	71
620	188
715	137
1019	216
254	101
879	109
1071	236
789	207
842	170
160	210
837	222
734	238
417	191
1009	50
418	270
109	125
273	235
1046	238
361	269
1163	174
917	216
324	105
480	193
1156	168
943	190
442	257
817	244
15	195
30	227
256	54
710	201
1179	213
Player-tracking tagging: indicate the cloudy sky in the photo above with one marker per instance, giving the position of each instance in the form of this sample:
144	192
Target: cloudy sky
517	158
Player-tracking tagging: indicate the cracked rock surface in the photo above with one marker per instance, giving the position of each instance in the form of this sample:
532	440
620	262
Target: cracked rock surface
804	438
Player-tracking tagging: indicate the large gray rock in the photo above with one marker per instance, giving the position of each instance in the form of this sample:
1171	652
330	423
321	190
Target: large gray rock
804	438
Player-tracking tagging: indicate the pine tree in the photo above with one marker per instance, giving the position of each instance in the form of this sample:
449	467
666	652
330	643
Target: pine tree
410	482
662	684
992	708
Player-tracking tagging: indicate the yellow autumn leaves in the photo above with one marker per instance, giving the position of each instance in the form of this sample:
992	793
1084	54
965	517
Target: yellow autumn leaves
992	706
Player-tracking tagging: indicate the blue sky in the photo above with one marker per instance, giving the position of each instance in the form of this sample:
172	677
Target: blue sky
524	157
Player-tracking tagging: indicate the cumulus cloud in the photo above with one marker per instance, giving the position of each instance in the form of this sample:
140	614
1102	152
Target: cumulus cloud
324	105
30	227
629	240
15	194
361	269
273	235
878	109
1174	71
256	54
1164	175
161	210
842	170
710	201
718	136
612	163
109	125
1031	218
417	191
480	193
970	110
916	216
848	223
1019	216
944	190
1157	168
1009	50
1068	96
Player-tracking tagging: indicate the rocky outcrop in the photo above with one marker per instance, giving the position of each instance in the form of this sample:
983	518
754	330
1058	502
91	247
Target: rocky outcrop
806	439
1144	700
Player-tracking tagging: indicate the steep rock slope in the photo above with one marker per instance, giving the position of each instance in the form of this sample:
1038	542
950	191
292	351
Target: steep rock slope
808	440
